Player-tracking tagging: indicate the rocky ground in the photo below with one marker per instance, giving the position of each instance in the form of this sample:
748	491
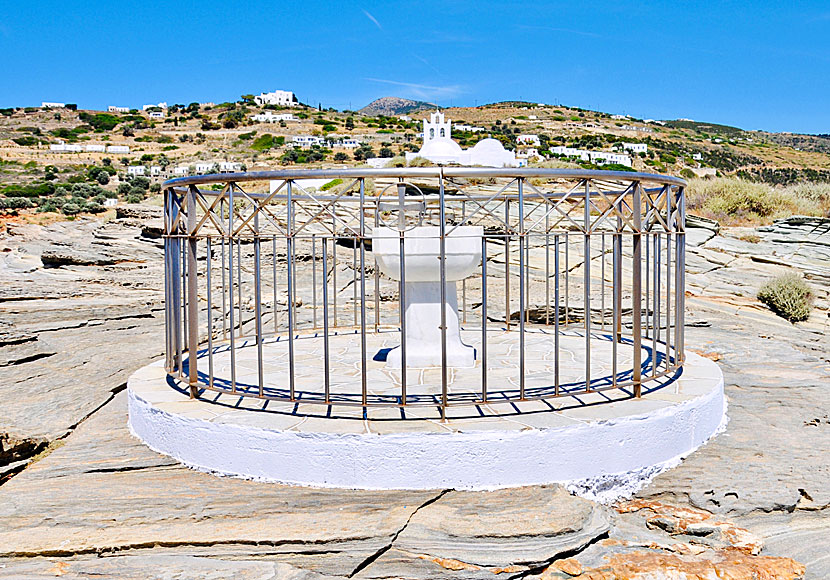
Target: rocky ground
81	306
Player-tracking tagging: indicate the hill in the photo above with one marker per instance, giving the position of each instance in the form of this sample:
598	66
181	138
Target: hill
391	106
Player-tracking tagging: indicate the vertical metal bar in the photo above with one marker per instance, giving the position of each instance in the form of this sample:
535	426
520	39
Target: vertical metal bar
192	294
567	279
274	279
210	311
258	304
334	271
363	376
680	270
602	275
168	276
668	300
547	270
586	284
354	282
443	269
522	282
377	276
289	239
239	281
556	299
230	288
326	369
224	288
183	282
616	288
464	281
314	280
484	318
402	310
636	294
507	264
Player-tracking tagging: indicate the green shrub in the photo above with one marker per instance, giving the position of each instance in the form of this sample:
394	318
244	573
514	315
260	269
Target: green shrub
330	184
788	296
71	208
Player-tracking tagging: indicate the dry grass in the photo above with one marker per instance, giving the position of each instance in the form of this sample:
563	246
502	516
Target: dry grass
733	201
788	296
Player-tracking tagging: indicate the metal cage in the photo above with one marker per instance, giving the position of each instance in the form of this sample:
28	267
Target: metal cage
272	288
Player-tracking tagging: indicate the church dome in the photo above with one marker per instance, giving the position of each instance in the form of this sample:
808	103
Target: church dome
489	145
440	148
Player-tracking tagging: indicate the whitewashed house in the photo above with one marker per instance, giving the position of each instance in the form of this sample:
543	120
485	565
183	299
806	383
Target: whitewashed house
118	149
96	148
528	140
110	202
48	105
603	157
114	109
136	170
162	106
271	117
155	170
469	128
181	170
306	141
636	147
280	98
230	167
205	167
156	114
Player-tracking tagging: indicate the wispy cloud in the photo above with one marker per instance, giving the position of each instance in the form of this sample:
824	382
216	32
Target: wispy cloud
372	18
423	91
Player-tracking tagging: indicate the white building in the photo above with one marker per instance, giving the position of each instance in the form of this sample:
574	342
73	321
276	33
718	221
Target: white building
96	148
114	109
270	117
205	167
66	148
598	157
162	106
469	128
136	170
156	114
529	153
230	167
281	98
155	170
603	157
635	128
110	202
528	140
118	149
348	143
306	141
697	157
439	147
181	170
636	147
48	105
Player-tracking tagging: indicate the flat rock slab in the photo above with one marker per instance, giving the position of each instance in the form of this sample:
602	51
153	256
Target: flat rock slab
521	526
105	491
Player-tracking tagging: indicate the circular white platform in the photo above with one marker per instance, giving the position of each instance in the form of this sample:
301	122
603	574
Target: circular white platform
605	436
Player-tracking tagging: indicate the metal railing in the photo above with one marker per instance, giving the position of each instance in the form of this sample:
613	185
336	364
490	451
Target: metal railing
272	289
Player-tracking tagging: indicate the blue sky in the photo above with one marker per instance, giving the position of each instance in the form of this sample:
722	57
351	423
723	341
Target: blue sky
757	65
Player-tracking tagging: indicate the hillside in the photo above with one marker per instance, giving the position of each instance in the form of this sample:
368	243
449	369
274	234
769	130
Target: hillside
234	136
391	106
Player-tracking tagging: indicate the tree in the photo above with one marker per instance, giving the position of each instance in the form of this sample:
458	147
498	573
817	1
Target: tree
365	151
107	161
386	152
340	156
247	98
103	177
349	123
127	131
125	161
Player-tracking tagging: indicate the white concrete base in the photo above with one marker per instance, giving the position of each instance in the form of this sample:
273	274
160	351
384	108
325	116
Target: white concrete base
577	441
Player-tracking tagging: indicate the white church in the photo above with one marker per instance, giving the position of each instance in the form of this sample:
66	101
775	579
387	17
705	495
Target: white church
439	147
